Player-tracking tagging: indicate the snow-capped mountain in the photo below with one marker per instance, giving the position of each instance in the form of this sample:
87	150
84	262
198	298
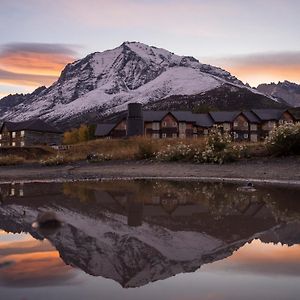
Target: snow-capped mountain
288	91
104	82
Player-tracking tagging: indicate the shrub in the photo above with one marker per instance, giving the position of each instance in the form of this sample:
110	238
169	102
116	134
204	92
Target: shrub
146	149
175	152
9	160
284	139
98	157
55	161
219	148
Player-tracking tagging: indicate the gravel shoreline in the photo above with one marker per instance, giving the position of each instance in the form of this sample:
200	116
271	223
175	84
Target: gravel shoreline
266	170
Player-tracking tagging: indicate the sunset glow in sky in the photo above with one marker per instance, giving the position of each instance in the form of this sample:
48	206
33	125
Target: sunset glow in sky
257	41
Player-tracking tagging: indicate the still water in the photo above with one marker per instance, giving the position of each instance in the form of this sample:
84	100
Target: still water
149	240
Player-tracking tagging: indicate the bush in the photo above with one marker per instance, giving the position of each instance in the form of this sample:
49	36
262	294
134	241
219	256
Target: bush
175	152
55	161
219	148
284	139
146	149
9	160
98	157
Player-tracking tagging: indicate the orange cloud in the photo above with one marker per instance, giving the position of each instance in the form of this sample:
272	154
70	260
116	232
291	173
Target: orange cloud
263	67
31	64
32	263
263	259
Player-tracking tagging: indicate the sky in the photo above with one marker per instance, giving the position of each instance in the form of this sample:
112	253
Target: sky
257	41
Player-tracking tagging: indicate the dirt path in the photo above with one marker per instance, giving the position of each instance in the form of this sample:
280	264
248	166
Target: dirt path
286	170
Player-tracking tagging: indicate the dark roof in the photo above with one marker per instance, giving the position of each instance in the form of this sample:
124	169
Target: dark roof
224	116
182	116
203	120
268	114
151	115
32	125
104	129
252	118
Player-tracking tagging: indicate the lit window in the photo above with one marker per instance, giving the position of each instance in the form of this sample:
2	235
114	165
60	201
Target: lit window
13	134
12	192
0	136
13	144
164	135
253	127
22	144
21	193
235	124
0	145
22	133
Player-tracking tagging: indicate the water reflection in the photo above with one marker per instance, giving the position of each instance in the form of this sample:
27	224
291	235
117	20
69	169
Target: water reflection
136	232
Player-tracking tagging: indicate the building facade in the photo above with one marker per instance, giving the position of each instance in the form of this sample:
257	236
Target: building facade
251	125
29	133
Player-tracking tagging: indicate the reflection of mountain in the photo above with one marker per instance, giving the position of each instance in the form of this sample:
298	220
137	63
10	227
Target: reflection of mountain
170	234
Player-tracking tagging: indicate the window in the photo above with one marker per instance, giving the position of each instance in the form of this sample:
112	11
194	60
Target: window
281	121
246	136
22	133
0	145
182	135
195	136
235	124
195	130
13	134
164	124
12	192
164	135
235	136
226	126
271	124
21	193
155	126
253	127
13	144
174	135
22	144
205	131
155	135
174	124
246	124
0	136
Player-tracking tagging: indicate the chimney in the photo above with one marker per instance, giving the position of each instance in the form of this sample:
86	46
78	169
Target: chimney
135	120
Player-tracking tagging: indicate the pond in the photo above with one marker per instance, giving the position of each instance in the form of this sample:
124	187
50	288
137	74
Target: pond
149	239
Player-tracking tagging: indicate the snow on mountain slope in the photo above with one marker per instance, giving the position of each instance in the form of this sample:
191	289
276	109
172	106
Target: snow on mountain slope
104	82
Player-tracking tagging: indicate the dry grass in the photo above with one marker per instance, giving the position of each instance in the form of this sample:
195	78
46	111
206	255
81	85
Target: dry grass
125	149
10	160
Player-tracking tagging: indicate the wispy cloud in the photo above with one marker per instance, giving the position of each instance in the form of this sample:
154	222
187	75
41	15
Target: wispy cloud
262	67
33	64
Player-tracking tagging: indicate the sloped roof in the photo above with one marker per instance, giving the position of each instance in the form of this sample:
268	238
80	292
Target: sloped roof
151	115
252	118
104	129
32	125
182	116
268	114
203	120
224	116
